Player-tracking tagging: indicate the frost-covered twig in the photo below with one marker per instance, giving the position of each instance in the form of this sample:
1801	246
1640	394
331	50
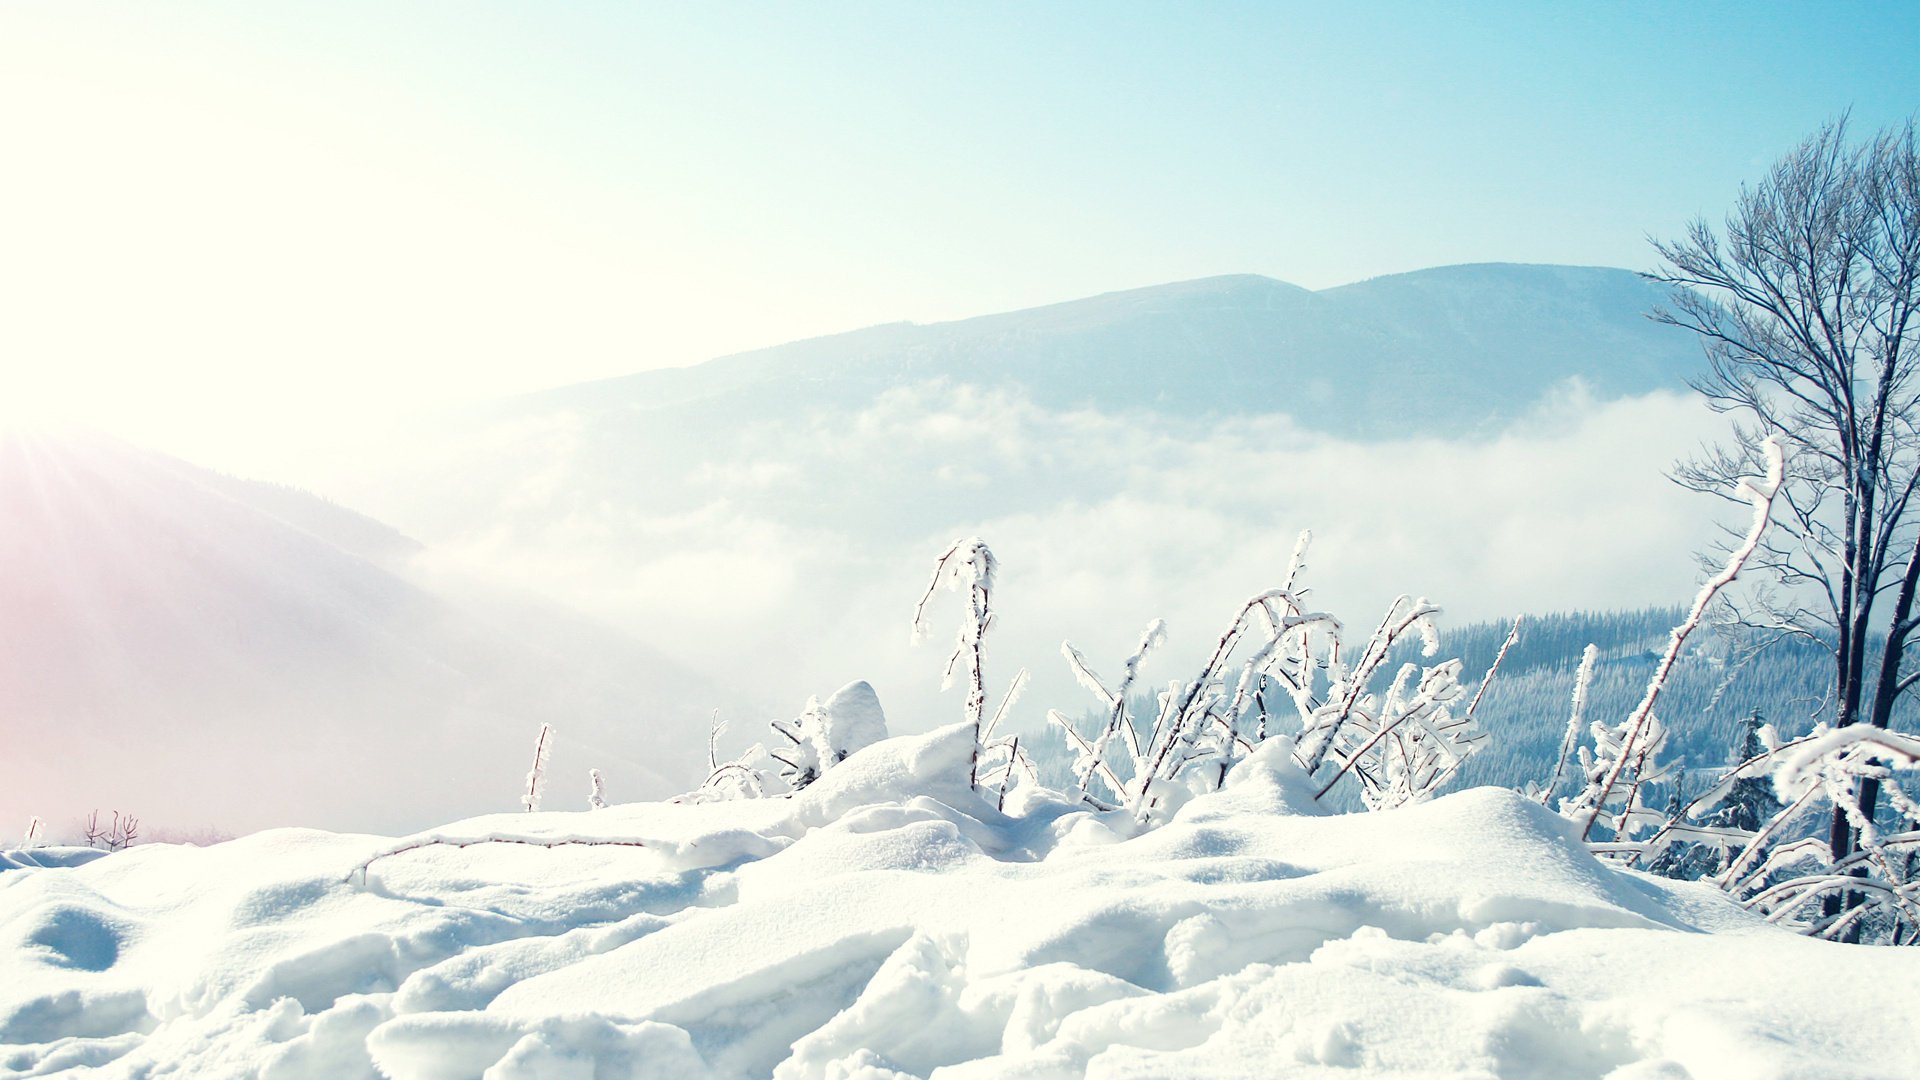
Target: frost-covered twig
1185	710
713	742
1439	686
1493	670
1016	759
967	565
537	775
821	737
1086	756
1402	747
1582	681
1404	614
437	840
1782	880
1760	496
745	777
1442	767
1012	697
1092	758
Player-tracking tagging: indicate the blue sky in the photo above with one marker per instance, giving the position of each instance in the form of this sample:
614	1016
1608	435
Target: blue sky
233	213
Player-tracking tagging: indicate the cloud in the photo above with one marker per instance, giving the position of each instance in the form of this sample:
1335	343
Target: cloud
797	567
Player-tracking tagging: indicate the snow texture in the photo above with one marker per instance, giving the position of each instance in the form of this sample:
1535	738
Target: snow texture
887	921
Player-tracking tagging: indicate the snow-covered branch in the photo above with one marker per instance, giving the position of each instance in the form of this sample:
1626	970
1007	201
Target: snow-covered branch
1630	747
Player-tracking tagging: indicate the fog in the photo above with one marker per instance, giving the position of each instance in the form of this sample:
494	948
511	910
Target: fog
623	559
793	564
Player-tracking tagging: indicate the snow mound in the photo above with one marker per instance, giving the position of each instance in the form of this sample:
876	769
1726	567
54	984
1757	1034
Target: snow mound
888	922
32	858
852	719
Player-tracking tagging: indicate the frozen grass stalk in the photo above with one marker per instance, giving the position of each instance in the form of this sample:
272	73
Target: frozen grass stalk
537	776
966	566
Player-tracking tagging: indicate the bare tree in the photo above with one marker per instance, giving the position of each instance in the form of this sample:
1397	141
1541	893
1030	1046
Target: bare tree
118	835
1805	301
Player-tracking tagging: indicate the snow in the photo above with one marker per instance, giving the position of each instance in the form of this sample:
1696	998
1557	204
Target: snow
887	922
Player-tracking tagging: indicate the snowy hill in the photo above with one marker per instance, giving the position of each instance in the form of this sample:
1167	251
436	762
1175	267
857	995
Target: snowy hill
204	651
888	923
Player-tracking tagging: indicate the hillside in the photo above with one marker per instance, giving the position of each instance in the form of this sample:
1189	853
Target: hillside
1704	704
205	651
1525	710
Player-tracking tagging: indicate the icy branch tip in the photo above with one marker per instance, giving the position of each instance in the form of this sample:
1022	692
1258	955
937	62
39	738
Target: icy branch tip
1762	490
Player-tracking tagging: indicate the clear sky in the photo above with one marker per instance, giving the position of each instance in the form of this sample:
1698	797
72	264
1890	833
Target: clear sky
223	223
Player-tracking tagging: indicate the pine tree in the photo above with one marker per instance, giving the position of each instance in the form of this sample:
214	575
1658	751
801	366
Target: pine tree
1751	802
1749	805
1684	859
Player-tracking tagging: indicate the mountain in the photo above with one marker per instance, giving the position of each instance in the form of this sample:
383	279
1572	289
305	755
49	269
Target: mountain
1452	352
1353	360
210	652
1433	350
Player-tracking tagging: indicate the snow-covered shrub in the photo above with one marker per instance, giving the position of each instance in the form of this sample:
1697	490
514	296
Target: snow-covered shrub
1780	865
1399	742
1620	771
822	736
1407	744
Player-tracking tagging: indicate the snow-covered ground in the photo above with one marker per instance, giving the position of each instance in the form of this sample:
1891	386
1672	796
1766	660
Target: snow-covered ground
886	921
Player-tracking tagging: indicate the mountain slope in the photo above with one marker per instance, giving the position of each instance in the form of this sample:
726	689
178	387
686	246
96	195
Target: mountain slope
207	651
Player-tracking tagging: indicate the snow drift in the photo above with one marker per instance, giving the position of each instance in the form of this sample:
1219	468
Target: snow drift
886	921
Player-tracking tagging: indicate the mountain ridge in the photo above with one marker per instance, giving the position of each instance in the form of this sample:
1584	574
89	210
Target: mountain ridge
1225	344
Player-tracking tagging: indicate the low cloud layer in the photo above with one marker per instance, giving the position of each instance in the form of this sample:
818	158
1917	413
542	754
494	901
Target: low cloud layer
790	563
